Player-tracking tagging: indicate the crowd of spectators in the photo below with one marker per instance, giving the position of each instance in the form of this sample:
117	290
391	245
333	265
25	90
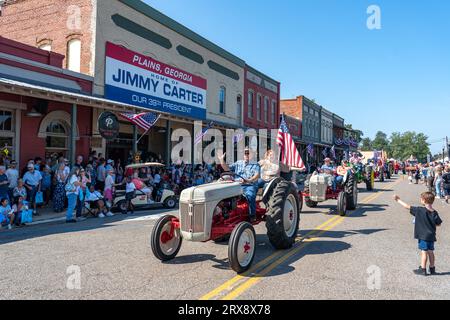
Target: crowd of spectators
60	186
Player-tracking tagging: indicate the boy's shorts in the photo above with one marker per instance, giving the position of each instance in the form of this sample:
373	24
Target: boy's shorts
426	245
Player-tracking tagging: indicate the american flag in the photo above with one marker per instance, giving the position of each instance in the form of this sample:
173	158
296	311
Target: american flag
143	120
310	149
201	134
289	153
333	152
325	152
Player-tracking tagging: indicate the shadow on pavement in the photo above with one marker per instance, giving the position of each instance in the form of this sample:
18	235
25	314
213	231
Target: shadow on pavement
61	227
342	234
365	208
311	248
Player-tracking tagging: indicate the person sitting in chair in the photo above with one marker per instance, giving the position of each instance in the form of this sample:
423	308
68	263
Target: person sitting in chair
249	172
97	202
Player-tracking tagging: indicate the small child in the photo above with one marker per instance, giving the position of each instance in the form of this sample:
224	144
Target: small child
130	194
426	220
7	215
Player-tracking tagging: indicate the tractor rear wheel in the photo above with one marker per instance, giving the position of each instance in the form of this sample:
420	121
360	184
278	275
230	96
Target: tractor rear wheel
309	203
283	216
165	246
351	189
241	249
342	204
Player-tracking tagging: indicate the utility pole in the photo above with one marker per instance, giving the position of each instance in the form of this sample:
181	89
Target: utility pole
448	147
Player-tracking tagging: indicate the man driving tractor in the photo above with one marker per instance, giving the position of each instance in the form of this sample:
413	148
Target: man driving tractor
248	172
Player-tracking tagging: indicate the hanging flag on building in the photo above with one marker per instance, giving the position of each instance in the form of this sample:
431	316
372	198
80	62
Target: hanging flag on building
238	137
333	153
201	134
325	152
289	153
310	149
143	120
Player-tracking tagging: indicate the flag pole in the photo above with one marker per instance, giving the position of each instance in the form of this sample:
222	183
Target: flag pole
145	133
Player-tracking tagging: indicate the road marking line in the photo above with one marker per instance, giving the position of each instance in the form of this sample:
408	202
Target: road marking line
258	277
234	293
227	285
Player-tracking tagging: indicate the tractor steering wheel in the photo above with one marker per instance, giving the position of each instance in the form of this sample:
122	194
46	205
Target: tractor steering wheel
232	174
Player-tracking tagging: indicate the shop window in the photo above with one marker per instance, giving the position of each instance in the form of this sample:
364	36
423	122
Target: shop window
5	120
266	110
273	111
250	103
7	134
239	108
258	107
57	137
74	55
222	98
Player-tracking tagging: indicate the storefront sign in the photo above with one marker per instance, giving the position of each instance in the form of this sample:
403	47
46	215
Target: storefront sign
108	125
142	81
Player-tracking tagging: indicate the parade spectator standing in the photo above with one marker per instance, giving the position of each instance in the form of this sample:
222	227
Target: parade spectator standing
446	184
438	183
430	178
101	175
32	180
119	171
79	162
46	184
426	221
4	183
72	190
109	187
59	192
13	177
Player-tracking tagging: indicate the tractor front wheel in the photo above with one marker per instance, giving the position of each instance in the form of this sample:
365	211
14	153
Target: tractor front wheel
309	203
283	216
166	240
351	190
342	204
241	248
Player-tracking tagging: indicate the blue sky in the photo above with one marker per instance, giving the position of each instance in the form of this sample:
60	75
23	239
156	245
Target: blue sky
393	79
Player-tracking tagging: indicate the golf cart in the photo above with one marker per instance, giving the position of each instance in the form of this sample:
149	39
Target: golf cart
164	195
217	211
319	188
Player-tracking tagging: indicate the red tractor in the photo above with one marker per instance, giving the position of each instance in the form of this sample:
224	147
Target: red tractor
218	211
319	188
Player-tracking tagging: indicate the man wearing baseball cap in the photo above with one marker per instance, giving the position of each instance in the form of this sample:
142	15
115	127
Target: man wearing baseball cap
32	180
248	172
13	177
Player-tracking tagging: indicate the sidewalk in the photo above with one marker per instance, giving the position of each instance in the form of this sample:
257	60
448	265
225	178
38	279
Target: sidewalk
47	215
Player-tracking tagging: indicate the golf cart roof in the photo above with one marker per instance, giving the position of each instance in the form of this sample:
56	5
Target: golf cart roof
144	165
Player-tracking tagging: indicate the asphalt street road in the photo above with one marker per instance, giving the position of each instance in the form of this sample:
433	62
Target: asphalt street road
369	254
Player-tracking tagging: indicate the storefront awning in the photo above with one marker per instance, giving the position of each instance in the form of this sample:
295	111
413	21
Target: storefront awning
42	92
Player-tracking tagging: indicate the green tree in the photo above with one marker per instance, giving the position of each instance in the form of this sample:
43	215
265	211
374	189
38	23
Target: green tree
403	145
366	144
381	142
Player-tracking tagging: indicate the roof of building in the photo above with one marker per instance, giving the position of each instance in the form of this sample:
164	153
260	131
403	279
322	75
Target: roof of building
158	16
